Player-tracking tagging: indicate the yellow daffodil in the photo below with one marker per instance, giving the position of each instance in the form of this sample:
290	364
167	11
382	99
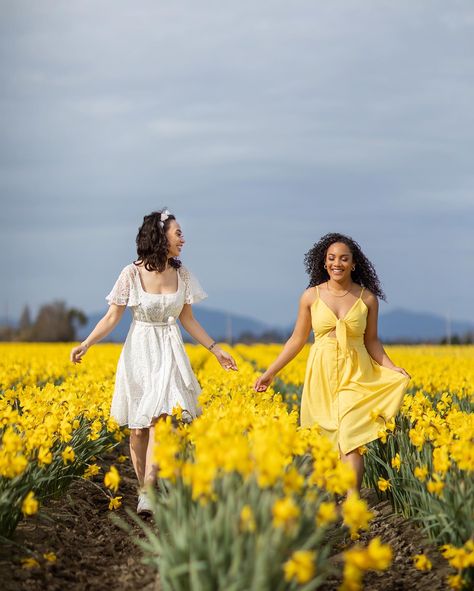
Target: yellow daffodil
435	485
50	557
380	555
383	484
112	479
455	581
300	567
29	563
247	519
45	456
421	472
422	562
285	512
68	454
356	514
396	462
30	505
358	560
115	503
326	514
91	471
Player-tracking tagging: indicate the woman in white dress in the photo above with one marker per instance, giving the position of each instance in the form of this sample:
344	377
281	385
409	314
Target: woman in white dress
154	374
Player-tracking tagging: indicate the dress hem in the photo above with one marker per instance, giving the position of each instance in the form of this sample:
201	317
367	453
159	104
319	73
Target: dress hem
170	413
364	442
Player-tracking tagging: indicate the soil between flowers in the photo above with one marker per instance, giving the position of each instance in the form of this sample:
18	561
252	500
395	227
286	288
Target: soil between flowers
92	552
406	540
95	554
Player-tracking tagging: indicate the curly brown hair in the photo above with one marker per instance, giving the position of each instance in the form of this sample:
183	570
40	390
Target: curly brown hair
152	243
364	273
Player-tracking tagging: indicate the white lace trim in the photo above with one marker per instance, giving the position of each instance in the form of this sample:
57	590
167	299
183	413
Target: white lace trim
193	291
126	290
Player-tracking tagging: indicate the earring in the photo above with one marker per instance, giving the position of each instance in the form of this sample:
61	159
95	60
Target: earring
325	266
353	268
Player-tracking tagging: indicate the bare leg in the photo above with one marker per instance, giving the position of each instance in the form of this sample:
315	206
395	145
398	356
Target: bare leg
356	461
139	439
151	468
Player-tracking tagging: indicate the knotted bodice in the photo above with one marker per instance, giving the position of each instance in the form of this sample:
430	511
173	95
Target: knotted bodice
349	330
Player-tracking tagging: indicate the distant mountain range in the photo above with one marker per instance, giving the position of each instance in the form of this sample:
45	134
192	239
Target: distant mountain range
408	326
398	325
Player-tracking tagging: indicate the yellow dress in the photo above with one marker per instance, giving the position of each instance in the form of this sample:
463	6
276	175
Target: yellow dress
343	385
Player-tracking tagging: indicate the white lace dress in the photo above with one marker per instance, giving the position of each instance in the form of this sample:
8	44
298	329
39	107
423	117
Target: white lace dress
154	373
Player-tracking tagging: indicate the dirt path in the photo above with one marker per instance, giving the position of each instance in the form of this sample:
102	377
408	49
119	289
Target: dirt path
406	540
93	554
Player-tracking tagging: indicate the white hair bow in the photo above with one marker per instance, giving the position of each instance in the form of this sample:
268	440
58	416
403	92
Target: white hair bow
165	214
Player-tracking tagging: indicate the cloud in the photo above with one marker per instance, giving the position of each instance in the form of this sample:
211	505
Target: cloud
263	124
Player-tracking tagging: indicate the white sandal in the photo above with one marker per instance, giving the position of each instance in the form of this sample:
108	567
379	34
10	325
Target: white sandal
144	506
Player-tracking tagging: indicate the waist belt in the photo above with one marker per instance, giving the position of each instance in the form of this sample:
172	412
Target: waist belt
172	333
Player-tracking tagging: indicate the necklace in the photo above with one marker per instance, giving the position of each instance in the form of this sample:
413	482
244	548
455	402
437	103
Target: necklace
337	296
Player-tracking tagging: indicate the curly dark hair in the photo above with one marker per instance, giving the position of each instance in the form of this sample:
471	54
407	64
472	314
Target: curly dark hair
364	273
152	244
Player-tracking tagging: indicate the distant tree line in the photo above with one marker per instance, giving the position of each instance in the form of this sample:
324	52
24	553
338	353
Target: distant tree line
54	322
466	339
268	336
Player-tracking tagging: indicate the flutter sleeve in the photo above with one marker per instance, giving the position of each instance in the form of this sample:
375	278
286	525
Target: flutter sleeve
193	292
125	290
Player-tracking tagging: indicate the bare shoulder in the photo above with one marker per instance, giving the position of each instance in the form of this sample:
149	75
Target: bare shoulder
308	297
369	298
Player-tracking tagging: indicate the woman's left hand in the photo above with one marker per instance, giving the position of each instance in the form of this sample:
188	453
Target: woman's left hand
402	371
226	360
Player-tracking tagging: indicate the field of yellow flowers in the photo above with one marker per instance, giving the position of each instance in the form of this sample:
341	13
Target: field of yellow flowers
424	459
247	498
54	421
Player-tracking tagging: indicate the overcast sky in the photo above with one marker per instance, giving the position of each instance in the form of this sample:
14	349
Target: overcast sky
261	125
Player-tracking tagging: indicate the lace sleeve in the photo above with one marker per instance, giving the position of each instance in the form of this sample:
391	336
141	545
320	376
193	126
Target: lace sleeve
193	291
124	292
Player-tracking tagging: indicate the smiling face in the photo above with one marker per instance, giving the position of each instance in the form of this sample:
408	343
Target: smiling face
175	239
339	262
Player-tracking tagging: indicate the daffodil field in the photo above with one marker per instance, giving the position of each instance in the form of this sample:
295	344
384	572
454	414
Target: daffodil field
424	459
247	499
54	421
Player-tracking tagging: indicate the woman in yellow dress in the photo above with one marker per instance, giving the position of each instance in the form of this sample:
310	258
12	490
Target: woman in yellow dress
351	386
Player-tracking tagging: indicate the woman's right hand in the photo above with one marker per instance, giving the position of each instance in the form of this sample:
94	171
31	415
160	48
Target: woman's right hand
263	382
78	353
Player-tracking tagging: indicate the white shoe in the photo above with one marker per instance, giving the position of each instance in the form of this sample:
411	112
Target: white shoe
144	506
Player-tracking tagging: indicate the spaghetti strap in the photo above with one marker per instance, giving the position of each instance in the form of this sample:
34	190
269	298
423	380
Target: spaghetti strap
317	290
361	291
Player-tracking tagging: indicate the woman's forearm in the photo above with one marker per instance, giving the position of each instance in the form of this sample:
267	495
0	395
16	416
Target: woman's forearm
377	352
290	351
192	326
103	328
